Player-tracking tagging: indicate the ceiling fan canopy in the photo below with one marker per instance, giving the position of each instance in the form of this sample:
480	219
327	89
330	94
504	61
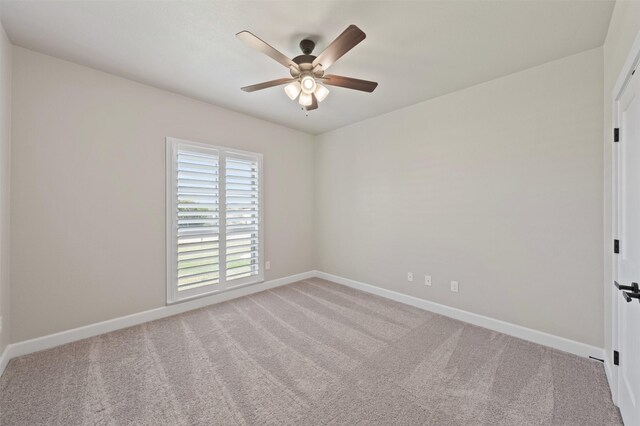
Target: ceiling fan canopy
308	80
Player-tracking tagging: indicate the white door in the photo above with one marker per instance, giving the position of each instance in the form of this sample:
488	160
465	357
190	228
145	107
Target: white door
627	296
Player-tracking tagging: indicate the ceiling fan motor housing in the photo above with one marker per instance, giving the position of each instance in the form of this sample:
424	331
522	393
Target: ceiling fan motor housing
304	61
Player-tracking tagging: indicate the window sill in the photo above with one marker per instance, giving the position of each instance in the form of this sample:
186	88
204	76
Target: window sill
214	292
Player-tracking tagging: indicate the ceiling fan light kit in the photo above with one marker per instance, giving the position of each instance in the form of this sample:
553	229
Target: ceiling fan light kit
308	71
305	87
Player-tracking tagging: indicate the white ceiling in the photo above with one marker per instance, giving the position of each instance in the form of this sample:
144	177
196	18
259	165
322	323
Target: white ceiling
415	50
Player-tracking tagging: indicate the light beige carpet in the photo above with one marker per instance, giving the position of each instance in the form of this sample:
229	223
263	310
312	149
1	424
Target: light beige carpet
312	352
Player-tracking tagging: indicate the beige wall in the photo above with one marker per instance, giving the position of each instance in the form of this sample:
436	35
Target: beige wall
624	26
5	184
88	191
498	186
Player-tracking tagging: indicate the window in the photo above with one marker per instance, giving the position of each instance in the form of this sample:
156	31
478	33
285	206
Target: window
214	226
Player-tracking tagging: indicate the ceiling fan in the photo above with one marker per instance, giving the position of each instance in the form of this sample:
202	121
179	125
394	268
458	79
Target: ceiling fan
308	71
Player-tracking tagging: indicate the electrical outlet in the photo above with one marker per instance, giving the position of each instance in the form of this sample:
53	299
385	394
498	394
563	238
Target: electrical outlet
0	324
427	280
454	286
267	265
409	276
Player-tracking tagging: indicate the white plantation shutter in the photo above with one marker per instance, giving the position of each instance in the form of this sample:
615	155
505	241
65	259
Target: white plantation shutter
214	228
242	200
198	219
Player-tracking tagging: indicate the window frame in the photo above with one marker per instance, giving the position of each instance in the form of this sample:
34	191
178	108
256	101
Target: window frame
171	237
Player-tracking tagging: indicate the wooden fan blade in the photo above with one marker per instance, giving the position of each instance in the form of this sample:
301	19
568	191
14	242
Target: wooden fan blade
258	44
338	47
314	103
267	84
349	83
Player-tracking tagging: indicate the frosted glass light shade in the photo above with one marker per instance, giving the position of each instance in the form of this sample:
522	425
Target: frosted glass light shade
321	92
308	84
305	99
292	90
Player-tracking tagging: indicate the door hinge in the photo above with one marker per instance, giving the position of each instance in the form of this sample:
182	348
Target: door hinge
616	135
616	246
616	358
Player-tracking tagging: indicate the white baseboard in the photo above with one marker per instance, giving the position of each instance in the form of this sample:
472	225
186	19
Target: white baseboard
45	342
4	359
609	371
535	336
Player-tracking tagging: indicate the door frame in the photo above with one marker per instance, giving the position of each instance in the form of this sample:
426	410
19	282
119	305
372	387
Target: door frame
631	62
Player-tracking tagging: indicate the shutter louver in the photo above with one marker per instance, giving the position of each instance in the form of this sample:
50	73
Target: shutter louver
198	219
242	219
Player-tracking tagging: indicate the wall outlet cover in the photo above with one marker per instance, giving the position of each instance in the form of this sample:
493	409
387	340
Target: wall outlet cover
454	286
409	276
427	280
